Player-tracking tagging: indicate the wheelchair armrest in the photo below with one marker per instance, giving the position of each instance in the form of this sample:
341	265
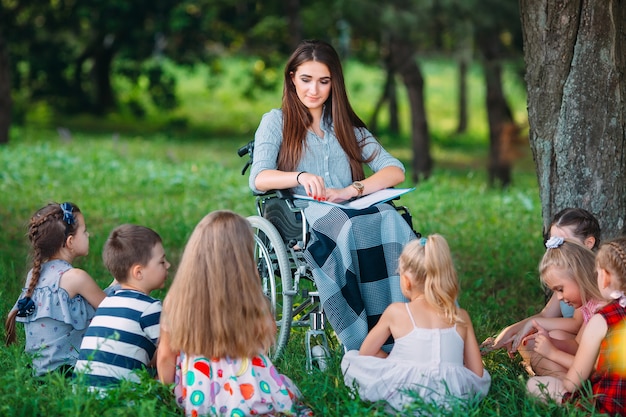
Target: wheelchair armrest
282	194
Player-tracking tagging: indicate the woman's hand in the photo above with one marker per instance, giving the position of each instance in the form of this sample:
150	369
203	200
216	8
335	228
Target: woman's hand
339	195
313	185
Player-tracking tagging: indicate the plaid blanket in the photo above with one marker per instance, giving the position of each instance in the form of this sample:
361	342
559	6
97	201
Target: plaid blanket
354	259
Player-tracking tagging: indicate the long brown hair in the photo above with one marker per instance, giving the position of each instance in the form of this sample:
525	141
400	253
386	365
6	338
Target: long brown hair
48	231
216	306
337	111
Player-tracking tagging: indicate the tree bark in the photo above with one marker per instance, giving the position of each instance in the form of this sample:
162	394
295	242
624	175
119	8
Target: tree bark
294	22
103	59
5	92
404	63
462	126
575	55
388	95
499	117
499	114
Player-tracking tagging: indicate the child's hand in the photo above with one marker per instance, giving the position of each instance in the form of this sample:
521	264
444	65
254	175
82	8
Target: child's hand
525	334
543	342
496	342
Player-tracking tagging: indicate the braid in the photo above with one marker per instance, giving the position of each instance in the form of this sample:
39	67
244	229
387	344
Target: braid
612	255
35	272
9	328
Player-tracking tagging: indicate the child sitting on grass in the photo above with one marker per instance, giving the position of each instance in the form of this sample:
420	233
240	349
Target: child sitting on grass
122	336
570	223
435	354
601	356
58	300
217	327
568	269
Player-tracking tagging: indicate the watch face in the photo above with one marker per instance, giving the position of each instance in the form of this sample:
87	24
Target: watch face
358	185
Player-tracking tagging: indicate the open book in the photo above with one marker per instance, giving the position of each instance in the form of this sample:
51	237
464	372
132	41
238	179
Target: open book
365	201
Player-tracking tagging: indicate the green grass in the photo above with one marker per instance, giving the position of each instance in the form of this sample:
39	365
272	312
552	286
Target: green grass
168	180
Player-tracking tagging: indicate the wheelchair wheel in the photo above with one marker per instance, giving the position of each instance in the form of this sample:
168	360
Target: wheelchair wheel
275	272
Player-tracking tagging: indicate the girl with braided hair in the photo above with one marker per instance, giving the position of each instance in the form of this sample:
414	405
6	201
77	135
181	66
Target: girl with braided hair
601	356
58	300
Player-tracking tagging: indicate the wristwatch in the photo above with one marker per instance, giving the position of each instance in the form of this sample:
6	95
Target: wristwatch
359	188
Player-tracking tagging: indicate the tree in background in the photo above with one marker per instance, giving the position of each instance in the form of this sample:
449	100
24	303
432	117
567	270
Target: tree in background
68	53
576	64
5	91
64	52
498	38
400	29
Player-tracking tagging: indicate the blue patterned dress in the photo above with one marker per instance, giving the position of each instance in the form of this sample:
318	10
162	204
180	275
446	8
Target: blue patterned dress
56	328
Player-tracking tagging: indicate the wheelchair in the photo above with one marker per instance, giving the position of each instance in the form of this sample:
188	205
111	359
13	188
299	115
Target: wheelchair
281	234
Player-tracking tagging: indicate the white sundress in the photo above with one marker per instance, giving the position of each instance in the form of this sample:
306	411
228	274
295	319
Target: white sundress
426	361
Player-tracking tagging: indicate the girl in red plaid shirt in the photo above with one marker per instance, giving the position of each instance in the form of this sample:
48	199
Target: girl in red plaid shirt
601	356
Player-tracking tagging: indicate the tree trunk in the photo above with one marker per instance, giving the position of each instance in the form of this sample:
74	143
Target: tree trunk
103	59
388	95
462	126
499	118
575	55
499	114
373	123
394	116
294	23
5	92
403	60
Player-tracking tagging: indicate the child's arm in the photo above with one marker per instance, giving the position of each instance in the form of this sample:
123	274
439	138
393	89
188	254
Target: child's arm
552	307
507	337
587	353
559	351
471	352
166	359
570	325
78	282
377	337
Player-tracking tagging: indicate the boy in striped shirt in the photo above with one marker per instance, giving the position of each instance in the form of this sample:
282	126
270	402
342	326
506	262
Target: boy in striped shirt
123	335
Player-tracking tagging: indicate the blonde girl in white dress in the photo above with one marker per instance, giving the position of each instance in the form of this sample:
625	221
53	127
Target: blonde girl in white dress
435	354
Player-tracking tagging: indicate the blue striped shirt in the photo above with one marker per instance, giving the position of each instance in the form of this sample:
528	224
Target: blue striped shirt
121	338
321	156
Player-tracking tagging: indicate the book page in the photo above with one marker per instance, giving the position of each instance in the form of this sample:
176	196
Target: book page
365	201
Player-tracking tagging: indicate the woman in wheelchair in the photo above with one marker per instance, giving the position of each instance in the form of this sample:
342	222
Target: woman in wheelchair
316	145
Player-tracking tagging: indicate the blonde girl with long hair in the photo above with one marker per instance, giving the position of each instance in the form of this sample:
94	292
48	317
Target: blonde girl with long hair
216	327
435	354
568	269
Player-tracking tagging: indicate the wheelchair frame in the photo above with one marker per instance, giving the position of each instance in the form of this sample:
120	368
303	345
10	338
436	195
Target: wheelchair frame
286	277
